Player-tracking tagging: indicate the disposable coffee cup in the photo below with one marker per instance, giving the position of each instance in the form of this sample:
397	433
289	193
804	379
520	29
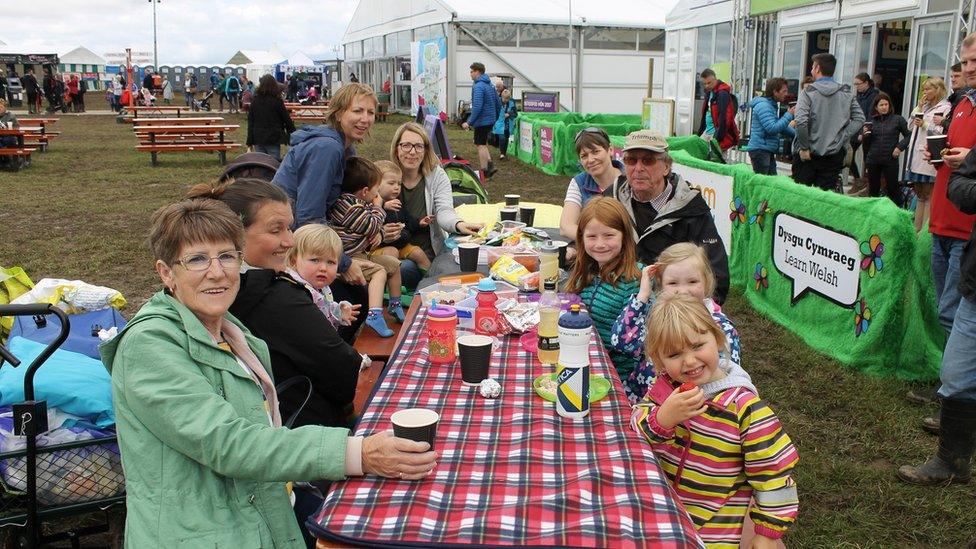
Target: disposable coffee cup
527	215
468	256
508	214
561	246
512	199
936	144
417	424
474	354
918	116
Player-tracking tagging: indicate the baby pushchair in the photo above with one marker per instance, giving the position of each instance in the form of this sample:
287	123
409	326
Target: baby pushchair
204	103
46	483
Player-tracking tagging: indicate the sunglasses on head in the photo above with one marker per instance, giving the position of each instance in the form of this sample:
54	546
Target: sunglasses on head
591	130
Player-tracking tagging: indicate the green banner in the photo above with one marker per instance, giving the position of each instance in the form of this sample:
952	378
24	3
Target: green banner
848	275
757	7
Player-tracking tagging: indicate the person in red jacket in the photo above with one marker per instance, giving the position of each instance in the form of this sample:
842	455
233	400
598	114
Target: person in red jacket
949	226
718	112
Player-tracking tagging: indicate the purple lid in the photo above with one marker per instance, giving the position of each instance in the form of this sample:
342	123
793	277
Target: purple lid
441	311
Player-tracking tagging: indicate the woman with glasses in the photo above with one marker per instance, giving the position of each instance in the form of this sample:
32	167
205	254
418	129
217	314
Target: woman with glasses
600	172
425	190
205	455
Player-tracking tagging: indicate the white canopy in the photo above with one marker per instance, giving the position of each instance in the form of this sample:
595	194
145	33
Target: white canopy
299	59
81	56
698	13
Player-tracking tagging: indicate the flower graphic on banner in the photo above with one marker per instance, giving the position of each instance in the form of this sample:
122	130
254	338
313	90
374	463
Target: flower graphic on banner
759	217
738	210
872	250
761	276
862	318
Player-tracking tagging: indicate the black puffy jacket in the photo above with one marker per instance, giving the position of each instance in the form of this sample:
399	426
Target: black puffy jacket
887	132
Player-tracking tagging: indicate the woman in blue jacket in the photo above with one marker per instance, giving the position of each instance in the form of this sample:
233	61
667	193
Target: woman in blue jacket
767	128
505	125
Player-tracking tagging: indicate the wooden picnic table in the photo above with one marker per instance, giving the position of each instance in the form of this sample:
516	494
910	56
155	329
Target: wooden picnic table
161	110
18	154
320	119
142	123
209	138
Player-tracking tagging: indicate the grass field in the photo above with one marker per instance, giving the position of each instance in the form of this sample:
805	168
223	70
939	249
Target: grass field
81	211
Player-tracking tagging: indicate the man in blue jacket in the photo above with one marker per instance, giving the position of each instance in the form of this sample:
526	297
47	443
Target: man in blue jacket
485	106
767	128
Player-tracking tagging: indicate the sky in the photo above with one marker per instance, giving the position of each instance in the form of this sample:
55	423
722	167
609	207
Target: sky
188	31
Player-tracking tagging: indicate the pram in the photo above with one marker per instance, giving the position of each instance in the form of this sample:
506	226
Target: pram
62	478
204	103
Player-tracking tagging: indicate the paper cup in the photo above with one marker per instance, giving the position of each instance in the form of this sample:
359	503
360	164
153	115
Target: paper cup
417	424
527	215
936	143
561	246
468	256
474	353
508	214
512	199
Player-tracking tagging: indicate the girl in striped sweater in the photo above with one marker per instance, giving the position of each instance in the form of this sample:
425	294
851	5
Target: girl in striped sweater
718	442
606	274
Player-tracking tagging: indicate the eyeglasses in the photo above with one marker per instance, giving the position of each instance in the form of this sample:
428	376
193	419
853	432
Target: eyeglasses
202	262
646	161
591	130
412	147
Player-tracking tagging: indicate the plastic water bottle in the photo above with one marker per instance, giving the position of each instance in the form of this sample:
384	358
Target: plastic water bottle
549	305
573	373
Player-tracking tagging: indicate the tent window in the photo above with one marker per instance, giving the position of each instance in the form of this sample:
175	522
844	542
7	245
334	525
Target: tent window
602	38
545	36
492	34
651	40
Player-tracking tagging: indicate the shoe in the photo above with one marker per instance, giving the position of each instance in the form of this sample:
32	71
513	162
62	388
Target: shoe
376	321
928	395
491	170
931	425
397	312
957	443
503	157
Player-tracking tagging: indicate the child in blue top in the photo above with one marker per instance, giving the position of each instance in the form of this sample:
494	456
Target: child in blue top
680	269
606	274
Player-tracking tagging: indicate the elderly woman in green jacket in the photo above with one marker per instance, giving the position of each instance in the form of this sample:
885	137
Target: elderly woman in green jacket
206	459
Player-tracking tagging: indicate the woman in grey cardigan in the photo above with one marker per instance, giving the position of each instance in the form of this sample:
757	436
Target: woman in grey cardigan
426	190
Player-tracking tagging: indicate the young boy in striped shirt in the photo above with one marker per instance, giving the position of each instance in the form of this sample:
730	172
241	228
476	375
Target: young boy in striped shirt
721	446
359	224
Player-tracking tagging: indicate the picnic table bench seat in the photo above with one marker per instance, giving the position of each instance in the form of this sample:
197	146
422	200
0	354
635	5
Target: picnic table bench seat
220	148
20	156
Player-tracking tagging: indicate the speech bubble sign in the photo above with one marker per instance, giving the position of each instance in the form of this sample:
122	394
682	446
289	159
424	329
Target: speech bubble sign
816	258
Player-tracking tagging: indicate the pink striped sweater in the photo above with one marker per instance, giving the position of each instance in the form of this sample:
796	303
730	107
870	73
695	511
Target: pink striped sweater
739	454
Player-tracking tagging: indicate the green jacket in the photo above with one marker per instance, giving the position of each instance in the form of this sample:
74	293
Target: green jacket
203	466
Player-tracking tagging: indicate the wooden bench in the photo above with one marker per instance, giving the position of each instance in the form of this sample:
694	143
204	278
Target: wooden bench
170	121
173	139
136	112
18	155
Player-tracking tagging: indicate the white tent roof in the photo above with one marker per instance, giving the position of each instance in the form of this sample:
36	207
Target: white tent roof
82	56
698	13
260	57
379	17
299	59
609	13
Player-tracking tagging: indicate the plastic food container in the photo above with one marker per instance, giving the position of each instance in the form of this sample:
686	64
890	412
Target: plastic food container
445	294
528	258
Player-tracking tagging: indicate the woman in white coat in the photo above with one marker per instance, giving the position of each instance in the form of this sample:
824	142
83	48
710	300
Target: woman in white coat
425	190
927	115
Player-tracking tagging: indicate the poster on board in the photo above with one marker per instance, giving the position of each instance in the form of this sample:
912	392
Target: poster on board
429	84
525	136
545	144
658	115
540	101
716	189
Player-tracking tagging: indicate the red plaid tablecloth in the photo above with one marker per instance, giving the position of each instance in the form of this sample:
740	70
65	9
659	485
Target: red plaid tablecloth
511	471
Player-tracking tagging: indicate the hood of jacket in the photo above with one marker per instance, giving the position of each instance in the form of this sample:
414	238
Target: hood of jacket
867	95
309	132
827	87
735	377
756	101
163	306
484	79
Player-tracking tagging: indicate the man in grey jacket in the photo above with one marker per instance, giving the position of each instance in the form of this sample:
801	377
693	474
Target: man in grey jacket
827	117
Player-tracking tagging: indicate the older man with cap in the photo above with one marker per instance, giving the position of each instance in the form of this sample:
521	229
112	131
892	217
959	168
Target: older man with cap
664	208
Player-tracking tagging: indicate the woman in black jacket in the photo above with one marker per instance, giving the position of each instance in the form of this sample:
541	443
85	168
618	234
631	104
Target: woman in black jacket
885	137
268	119
280	311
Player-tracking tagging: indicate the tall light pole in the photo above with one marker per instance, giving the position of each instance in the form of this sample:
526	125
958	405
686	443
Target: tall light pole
155	52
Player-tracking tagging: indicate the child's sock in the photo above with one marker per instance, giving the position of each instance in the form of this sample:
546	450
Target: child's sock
396	309
375	320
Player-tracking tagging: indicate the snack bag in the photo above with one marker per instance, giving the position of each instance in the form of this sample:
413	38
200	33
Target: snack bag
509	270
